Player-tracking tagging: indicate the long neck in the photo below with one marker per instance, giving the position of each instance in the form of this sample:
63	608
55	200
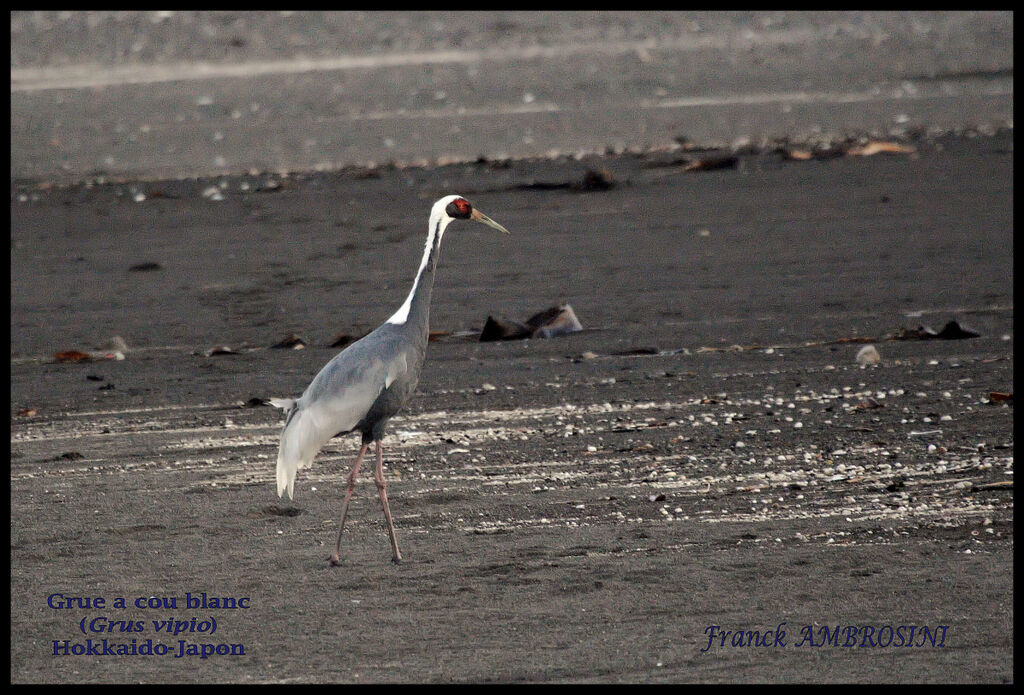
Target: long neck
415	311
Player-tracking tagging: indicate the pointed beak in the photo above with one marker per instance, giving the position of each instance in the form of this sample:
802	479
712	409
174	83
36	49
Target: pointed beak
478	216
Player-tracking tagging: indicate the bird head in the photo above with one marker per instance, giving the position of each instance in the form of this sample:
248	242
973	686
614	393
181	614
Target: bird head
455	207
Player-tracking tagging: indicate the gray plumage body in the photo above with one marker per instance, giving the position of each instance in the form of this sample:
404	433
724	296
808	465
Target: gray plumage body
404	355
386	362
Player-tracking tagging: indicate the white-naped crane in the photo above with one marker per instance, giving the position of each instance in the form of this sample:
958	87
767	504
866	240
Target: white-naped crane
370	380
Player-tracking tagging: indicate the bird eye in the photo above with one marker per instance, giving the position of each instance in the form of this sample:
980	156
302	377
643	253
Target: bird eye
459	208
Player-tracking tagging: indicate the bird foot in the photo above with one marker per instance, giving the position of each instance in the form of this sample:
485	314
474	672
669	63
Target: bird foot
334	560
397	559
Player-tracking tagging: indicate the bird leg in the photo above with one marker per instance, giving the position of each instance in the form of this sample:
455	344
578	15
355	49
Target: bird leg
378	477
335	559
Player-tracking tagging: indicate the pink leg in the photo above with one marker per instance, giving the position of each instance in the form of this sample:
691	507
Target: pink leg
335	559
378	476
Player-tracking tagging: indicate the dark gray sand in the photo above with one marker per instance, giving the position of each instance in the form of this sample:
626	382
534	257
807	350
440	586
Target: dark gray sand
567	512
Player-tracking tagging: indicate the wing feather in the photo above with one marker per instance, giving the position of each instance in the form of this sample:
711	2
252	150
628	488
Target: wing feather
336	400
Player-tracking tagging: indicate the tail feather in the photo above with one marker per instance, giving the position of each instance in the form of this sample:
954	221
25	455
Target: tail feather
285	404
300	442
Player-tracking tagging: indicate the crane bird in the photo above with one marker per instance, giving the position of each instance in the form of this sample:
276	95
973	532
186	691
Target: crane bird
370	380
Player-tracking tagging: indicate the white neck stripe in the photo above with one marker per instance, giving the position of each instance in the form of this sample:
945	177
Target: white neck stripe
436	230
